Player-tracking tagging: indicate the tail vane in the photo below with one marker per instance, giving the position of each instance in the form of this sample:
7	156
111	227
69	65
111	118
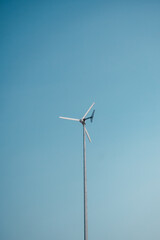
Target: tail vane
92	115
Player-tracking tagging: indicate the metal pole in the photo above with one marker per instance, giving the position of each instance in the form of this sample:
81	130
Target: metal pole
85	186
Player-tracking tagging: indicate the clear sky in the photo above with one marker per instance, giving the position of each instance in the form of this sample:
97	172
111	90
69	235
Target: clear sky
57	57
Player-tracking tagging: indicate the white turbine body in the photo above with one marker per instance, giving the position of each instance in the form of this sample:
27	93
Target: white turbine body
85	132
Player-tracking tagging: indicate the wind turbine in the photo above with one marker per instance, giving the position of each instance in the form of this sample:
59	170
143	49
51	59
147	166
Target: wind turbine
85	132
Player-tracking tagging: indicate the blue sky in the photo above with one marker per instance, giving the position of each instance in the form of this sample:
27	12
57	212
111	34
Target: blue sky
57	57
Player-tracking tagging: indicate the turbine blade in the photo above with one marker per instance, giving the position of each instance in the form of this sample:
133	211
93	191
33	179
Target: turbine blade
88	135
88	110
73	119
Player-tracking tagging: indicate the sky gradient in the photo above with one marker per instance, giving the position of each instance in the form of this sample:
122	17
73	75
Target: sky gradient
57	57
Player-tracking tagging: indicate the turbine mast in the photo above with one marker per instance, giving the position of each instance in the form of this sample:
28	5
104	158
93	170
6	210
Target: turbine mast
85	185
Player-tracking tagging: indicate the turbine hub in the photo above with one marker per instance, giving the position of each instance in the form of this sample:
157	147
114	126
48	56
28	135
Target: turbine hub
82	121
